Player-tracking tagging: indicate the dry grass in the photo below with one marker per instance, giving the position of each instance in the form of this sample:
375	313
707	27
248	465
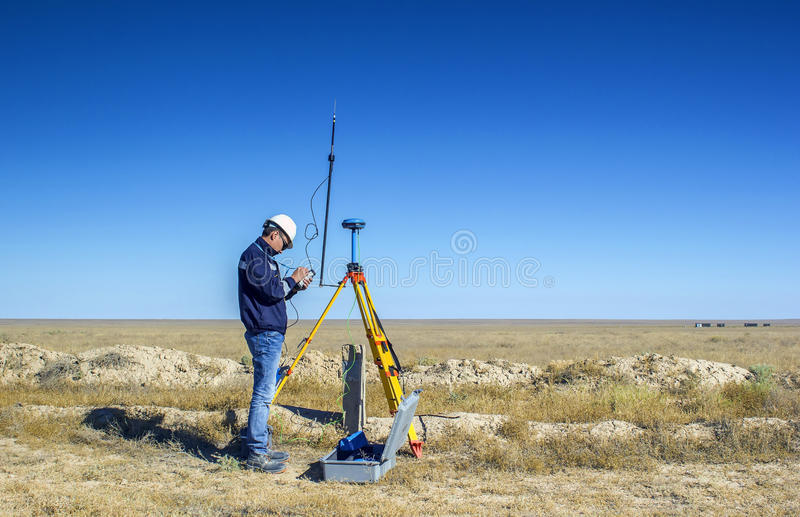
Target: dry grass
610	401
514	449
518	451
64	395
524	341
56	463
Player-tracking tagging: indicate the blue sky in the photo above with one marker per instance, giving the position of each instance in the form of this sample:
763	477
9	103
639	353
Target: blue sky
645	156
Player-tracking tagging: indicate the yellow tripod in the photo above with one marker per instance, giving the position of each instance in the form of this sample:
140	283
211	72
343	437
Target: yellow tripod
381	348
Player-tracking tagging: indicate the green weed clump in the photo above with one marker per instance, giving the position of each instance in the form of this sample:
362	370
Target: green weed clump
762	372
229	463
426	361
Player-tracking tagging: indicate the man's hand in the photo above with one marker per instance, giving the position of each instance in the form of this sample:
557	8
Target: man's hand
300	275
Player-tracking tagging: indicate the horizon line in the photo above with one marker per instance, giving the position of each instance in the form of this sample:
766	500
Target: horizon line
698	320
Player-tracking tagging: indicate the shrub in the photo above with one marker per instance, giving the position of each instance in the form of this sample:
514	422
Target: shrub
762	372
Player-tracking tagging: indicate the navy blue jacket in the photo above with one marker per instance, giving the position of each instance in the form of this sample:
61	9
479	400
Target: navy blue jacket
261	289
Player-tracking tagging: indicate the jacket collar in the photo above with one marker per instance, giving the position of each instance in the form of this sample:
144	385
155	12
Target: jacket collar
261	243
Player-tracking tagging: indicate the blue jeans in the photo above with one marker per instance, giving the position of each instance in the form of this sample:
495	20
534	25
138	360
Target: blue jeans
266	349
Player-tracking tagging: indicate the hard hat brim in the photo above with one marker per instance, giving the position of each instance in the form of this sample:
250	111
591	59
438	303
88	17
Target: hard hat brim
283	232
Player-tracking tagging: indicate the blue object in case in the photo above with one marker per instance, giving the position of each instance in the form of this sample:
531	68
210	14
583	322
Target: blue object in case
354	442
357	460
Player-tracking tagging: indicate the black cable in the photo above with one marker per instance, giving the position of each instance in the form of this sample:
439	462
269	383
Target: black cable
313	223
309	238
296	315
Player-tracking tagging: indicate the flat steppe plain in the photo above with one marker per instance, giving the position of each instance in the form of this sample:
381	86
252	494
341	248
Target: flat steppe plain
56	460
527	341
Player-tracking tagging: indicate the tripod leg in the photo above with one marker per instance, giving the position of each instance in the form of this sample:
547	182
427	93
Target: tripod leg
384	359
307	341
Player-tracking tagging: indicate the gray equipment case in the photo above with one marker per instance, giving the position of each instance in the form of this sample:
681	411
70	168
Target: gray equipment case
372	468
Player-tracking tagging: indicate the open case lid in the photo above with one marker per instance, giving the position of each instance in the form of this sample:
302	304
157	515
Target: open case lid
401	424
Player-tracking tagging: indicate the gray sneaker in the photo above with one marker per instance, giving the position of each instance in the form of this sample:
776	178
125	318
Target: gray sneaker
264	464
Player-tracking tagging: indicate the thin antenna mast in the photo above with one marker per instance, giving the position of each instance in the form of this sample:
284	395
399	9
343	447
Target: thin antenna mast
331	158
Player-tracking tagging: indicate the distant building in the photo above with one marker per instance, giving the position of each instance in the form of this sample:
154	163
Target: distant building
698	325
751	324
765	324
720	324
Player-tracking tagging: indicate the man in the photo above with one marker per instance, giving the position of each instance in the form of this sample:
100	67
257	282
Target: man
263	311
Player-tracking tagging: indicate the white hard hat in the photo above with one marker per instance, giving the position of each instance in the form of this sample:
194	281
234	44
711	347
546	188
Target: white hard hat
285	224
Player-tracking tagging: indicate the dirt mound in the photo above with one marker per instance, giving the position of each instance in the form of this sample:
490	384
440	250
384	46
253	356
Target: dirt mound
669	372
497	372
119	365
651	370
315	365
222	426
431	427
152	366
655	371
434	427
294	422
789	379
23	363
